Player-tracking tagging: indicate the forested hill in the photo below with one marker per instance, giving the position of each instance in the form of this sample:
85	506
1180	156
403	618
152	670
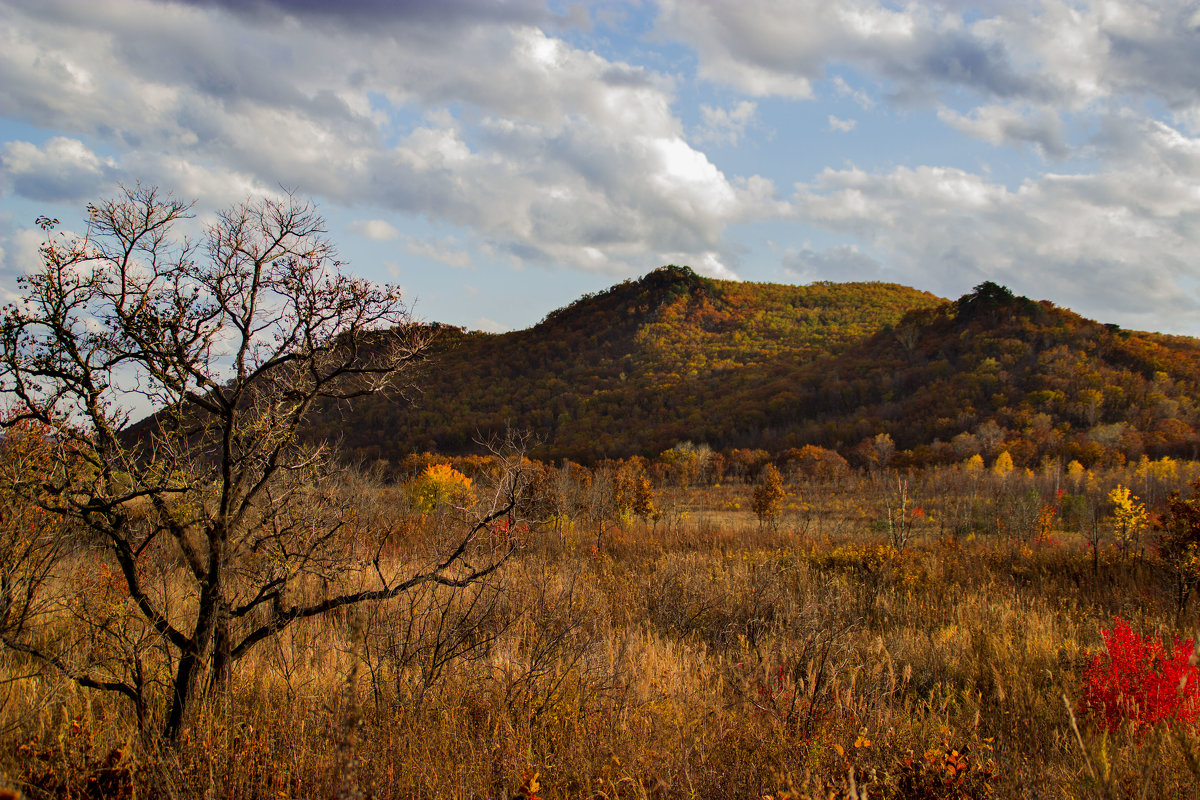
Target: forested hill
996	372
634	369
676	357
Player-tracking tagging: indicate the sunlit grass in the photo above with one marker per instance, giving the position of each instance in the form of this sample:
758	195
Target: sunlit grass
709	658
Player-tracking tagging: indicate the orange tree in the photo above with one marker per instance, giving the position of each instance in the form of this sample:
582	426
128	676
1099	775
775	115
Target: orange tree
768	496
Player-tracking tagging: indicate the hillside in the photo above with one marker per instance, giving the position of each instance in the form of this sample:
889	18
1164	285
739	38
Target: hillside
676	357
633	369
991	372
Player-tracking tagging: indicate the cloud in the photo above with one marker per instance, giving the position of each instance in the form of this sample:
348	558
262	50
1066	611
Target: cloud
375	229
62	169
20	253
841	125
1121	241
1006	125
488	325
553	153
860	97
446	251
841	263
1009	68
725	126
1095	50
764	47
376	12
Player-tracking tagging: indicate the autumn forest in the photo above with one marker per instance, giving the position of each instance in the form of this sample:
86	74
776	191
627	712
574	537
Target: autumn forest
675	357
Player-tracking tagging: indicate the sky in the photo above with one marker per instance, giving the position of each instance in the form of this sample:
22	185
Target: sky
498	158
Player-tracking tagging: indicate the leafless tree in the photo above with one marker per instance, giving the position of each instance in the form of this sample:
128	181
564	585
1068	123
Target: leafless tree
217	516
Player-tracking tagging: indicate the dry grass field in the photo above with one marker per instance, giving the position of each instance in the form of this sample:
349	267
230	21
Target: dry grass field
838	652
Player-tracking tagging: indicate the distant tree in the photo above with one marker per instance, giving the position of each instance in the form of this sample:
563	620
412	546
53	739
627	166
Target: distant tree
633	491
768	496
1129	518
988	299
885	449
439	486
815	463
687	461
1003	465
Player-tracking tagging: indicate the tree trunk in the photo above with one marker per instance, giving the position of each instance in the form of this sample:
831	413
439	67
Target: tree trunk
221	667
186	678
192	661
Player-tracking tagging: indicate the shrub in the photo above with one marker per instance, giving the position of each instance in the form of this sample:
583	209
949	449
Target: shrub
439	486
1137	679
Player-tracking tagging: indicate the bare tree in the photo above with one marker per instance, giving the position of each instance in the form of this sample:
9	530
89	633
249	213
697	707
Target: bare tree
233	341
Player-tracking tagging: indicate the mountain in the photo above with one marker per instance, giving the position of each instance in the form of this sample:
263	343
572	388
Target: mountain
677	357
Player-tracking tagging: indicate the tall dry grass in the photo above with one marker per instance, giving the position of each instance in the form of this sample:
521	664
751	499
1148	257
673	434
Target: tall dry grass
710	658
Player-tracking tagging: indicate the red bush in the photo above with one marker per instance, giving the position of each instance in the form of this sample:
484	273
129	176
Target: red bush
1136	679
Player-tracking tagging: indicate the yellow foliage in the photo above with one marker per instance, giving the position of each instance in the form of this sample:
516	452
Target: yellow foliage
1129	516
439	486
768	495
1164	469
1003	465
974	464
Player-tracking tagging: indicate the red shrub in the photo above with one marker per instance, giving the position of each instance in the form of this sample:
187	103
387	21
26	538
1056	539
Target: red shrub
1136	679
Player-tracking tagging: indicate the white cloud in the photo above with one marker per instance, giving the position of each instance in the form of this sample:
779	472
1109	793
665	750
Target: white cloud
725	126
841	125
375	229
765	47
1008	125
20	254
860	97
1121	241
709	264
841	263
1021	65
488	325
63	169
554	153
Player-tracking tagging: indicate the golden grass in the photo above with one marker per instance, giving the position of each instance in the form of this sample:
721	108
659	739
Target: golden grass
710	659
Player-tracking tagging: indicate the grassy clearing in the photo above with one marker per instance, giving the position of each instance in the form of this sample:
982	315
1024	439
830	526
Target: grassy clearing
710	658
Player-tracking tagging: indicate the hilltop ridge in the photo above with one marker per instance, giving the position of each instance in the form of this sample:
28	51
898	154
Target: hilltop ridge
674	356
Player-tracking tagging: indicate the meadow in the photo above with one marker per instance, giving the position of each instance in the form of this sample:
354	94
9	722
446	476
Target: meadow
877	635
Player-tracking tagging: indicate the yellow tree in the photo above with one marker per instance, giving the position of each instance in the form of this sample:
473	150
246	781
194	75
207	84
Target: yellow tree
1003	465
438	487
1129	518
